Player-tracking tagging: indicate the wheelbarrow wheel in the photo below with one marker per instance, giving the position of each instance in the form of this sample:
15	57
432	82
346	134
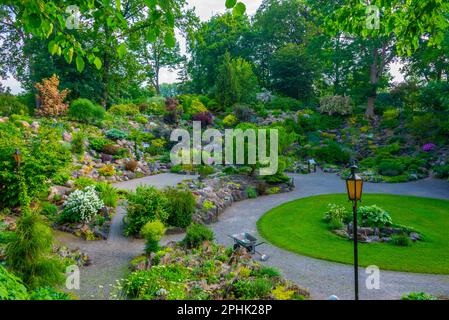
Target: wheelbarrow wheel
236	246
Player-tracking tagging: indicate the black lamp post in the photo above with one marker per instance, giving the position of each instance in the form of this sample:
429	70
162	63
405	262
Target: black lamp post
354	186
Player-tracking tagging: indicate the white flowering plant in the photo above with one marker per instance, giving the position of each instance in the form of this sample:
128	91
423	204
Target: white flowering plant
81	206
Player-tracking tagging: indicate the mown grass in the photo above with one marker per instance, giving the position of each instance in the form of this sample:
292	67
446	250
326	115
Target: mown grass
298	226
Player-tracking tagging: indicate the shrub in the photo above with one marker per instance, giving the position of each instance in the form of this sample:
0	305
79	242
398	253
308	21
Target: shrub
78	142
252	193
391	168
49	209
152	231
156	147
332	153
98	144
84	110
83	182
434	97
29	255
180	206
196	234
107	170
284	104
141	119
441	171
230	120
81	206
111	149
43	158
124	110
173	110
144	205
424	127
50	98
196	107
48	293
115	134
266	272
10	105
11	287
206	118
374	216
243	112
401	240
337	213
259	288
131	165
418	296
107	193
341	105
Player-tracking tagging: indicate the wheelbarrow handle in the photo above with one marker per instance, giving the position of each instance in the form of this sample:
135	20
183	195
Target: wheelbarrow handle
259	244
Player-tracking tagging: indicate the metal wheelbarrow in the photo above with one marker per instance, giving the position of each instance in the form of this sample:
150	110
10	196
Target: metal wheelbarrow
248	242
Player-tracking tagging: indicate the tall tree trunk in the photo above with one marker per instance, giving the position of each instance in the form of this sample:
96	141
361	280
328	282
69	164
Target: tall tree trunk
106	69
374	79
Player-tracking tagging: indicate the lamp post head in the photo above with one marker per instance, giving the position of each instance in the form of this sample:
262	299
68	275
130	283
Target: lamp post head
354	185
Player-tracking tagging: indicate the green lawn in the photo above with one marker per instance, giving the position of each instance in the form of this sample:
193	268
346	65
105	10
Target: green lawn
298	226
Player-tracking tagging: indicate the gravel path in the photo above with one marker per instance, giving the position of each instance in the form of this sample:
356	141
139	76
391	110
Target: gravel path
325	278
110	258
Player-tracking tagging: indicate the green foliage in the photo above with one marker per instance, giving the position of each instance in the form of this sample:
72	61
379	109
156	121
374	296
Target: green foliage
266	272
146	284
49	293
252	193
337	213
144	205
340	105
124	110
332	153
259	288
49	209
243	112
434	97
418	296
29	256
424	127
284	104
115	134
230	120
98	144
235	82
441	171
401	240
11	287
78	142
374	216
292	71
152	232
43	157
391	168
180	207
84	110
196	234
83	182
11	105
107	193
